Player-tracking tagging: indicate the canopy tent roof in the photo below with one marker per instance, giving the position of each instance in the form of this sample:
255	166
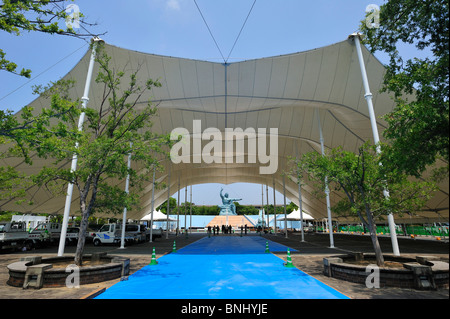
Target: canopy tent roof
284	92
158	216
295	215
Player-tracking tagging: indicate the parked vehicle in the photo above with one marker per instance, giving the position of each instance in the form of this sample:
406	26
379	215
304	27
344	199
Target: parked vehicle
14	235
45	233
138	232
110	234
156	233
73	233
90	234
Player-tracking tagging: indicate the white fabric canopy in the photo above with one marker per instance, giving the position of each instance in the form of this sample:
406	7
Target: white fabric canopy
282	92
158	216
295	215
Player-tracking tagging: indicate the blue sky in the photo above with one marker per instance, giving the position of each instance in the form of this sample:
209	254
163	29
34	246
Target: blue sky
176	28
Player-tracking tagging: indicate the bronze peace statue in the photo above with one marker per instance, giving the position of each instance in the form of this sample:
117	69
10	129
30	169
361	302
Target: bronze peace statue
228	207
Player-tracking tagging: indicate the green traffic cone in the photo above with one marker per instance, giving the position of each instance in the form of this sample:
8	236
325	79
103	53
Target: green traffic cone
174	249
288	264
153	262
267	247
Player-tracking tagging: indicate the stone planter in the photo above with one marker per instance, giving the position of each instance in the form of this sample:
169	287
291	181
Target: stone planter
421	273
37	272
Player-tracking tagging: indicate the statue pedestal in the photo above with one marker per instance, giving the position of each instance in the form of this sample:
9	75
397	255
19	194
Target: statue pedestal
235	221
225	211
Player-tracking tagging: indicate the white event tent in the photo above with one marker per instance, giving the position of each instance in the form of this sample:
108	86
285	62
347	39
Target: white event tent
295	215
158	216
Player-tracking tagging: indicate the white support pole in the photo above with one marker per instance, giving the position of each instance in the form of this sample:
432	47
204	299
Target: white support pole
300	207
73	167
376	137
124	218
262	204
274	207
327	190
185	211
168	203
153	206
178	207
300	201
267	202
285	215
190	212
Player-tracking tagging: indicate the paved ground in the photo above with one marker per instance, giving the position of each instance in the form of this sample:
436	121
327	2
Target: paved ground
140	256
308	258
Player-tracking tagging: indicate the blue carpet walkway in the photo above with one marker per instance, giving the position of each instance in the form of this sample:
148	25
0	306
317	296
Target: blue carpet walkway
222	267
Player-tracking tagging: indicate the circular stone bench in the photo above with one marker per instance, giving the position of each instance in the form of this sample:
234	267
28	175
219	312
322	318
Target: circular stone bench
424	272
28	273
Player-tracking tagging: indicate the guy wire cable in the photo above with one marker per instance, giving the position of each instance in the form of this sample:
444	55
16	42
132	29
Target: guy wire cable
44	71
242	28
207	26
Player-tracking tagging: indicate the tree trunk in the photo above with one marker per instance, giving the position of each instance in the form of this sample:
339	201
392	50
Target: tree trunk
83	227
85	212
373	236
81	239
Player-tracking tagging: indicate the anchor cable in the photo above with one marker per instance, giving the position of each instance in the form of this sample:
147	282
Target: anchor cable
242	28
207	26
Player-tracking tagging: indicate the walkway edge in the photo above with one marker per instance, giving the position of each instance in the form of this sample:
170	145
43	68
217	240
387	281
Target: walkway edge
94	294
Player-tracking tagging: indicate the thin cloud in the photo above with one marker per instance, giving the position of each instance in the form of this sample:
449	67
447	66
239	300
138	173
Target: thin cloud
173	5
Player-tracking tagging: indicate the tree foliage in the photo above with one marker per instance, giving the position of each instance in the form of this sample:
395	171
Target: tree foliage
28	130
44	16
27	134
118	126
18	133
363	181
172	206
418	128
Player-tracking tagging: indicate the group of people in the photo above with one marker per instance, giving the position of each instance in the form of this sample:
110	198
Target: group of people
225	229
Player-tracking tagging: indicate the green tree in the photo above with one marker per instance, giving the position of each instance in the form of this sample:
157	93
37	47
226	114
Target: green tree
362	179
246	209
44	16
17	17
185	208
25	130
6	216
212	210
208	210
113	130
172	206
418	127
12	183
291	207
